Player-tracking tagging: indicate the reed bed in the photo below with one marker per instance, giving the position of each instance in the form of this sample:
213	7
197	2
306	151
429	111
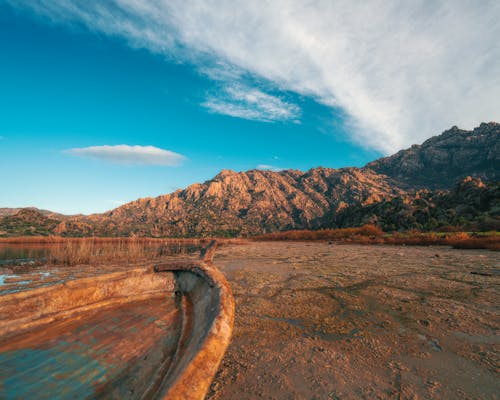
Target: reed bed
56	250
74	252
62	239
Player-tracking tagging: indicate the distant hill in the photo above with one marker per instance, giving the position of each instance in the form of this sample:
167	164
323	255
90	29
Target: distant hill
28	222
423	187
441	161
5	212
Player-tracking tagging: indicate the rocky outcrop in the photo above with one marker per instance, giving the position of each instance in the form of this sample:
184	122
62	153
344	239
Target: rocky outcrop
441	161
470	205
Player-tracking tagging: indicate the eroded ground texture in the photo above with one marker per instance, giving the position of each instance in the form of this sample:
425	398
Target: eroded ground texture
320	321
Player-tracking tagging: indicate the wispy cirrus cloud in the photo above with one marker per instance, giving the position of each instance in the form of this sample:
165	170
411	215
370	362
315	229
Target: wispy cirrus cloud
129	155
249	103
400	71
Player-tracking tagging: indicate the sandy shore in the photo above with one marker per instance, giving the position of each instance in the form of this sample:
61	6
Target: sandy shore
320	321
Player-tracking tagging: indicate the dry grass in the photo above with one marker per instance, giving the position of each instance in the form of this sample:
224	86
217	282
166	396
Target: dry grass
458	240
75	251
366	231
490	243
370	234
88	251
92	251
111	240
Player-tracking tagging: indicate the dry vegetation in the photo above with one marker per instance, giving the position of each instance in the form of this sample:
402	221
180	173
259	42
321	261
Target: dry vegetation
371	234
99	240
95	250
74	251
87	251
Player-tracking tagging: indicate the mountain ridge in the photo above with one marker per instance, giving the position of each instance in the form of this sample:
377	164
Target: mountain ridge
258	201
443	160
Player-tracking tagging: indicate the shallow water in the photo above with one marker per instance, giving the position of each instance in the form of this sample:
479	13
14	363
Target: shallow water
19	254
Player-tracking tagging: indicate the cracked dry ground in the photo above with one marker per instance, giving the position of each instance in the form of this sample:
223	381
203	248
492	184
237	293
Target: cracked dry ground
320	321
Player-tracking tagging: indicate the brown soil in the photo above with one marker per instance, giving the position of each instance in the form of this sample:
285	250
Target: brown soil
319	321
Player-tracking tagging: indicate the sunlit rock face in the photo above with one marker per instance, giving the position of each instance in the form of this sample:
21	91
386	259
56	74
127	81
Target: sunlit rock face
441	161
248	202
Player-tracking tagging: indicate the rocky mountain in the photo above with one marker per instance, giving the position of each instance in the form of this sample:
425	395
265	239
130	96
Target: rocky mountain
242	203
441	161
410	189
471	205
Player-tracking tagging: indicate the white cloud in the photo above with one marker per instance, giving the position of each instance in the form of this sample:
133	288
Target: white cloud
248	103
401	71
132	155
269	167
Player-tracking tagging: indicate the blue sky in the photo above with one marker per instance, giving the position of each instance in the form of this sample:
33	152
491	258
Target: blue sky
103	105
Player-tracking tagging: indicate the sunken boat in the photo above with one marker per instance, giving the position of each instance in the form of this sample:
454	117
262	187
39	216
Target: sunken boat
151	333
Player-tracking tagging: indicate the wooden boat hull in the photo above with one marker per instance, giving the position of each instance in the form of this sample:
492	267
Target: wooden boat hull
135	334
